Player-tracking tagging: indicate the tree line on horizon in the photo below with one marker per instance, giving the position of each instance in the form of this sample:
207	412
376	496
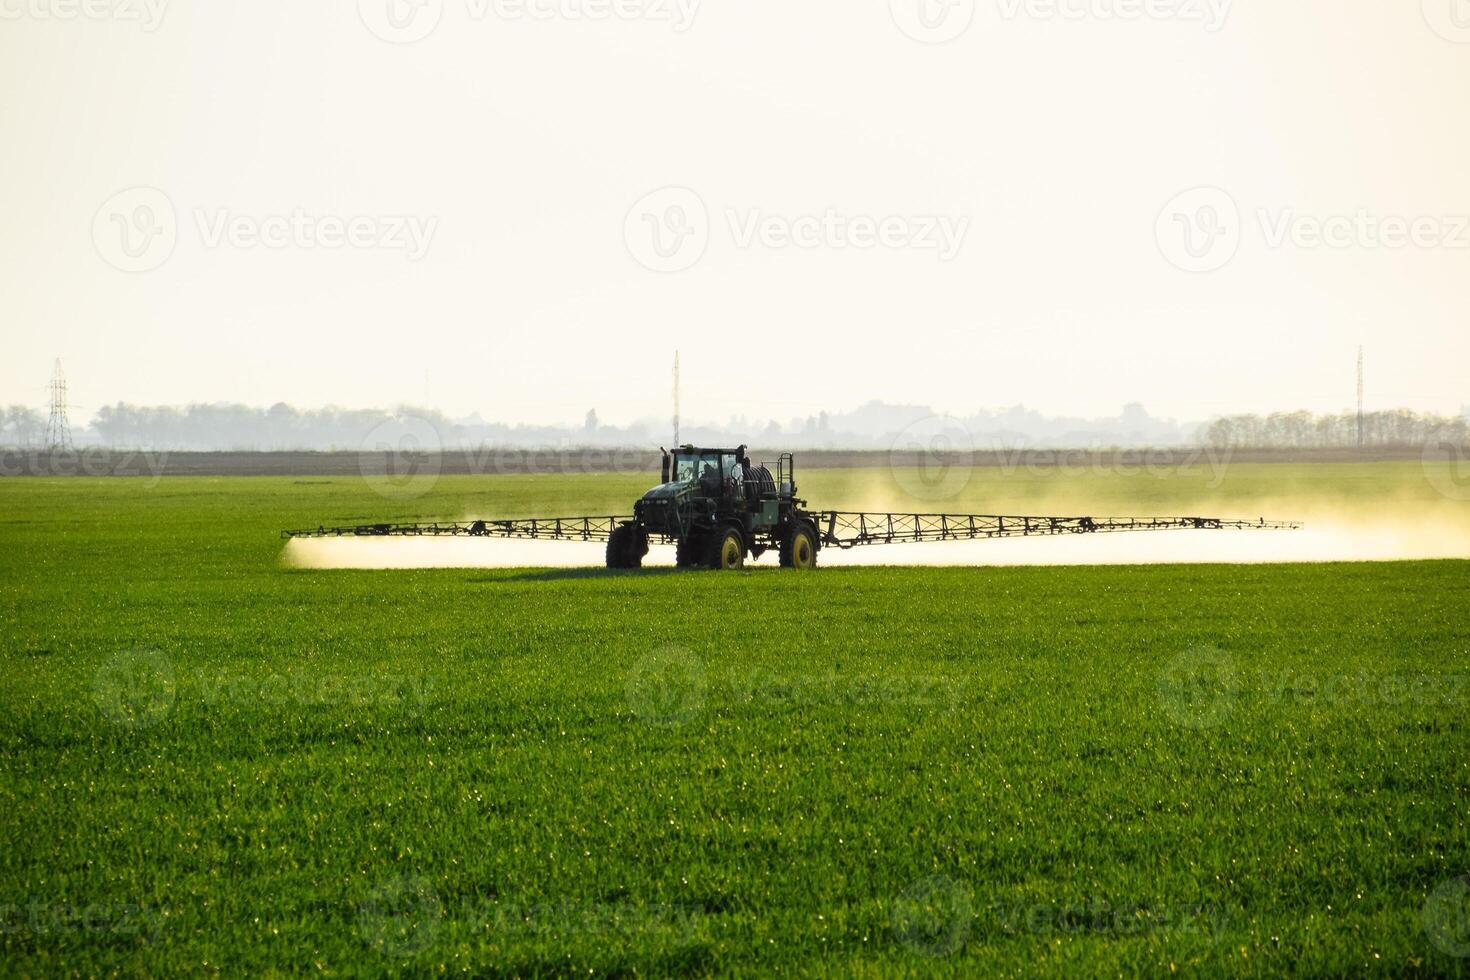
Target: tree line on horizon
1395	429
873	426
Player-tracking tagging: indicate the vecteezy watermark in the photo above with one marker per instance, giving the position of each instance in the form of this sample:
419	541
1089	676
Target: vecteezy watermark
1211	14
410	21
1447	917
148	14
565	918
1362	229
933	916
411	691
933	459
1098	916
942	234
1450	19
1208	462
1199	687
86	461
667	687
1199	230
138	689
404	916
672	686
1202	230
670	230
401	458
933	21
138	229
401	917
406	233
39	919
1446	463
1289	686
401	21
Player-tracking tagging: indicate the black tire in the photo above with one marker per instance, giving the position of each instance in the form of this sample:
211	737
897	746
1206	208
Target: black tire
725	550
688	553
626	547
799	548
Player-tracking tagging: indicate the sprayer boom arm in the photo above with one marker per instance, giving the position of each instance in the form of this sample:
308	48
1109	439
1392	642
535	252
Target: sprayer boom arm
845	530
837	529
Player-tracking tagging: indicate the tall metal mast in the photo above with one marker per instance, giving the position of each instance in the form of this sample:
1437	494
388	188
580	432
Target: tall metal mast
58	428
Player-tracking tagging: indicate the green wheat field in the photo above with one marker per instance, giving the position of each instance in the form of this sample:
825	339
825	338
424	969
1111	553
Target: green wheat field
218	763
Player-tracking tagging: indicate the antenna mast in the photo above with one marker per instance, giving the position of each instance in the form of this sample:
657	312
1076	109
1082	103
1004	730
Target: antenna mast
1360	397
676	398
58	429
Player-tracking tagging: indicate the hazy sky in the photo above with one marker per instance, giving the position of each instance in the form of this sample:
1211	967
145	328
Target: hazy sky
470	221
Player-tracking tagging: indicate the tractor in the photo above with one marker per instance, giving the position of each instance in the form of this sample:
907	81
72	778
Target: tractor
718	508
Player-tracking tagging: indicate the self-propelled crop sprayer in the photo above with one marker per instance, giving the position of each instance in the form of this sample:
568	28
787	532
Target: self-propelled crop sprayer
718	509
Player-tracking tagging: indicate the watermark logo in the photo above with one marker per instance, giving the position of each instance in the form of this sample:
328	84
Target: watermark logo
932	459
410	21
1199	230
1363	229
1447	917
401	458
1212	14
668	230
1450	19
668	687
1446	463
136	689
1202	230
933	916
136	230
37	919
148	13
1199	688
939	233
933	21
406	233
401	917
401	21
148	467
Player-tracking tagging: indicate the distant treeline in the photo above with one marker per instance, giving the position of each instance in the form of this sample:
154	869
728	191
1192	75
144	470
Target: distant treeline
875	426
1303	430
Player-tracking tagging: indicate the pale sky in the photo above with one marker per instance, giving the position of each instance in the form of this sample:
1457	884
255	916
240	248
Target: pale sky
991	216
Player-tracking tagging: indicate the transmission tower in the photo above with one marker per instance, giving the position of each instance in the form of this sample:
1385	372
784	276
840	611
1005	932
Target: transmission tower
1360	398
58	428
676	398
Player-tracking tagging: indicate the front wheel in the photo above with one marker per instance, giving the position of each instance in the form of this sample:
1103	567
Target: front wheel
727	550
688	552
799	549
626	547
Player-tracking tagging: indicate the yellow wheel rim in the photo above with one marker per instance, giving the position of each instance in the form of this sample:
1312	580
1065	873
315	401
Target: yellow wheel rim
801	554
730	554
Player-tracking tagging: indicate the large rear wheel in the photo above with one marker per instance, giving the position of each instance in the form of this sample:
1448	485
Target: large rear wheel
726	550
799	549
